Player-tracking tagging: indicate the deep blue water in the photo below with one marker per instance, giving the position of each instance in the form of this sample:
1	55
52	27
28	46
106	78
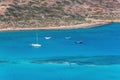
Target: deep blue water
61	57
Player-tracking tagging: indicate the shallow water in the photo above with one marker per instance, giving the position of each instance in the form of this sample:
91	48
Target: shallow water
59	57
58	72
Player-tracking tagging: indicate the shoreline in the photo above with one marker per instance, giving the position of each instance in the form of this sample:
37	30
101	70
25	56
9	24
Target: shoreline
84	25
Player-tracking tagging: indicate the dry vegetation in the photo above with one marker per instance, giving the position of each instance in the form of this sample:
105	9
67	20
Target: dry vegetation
44	13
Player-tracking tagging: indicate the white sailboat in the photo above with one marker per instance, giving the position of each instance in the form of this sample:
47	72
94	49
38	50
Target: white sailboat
36	44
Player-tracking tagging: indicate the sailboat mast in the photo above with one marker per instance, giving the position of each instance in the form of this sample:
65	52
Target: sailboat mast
36	37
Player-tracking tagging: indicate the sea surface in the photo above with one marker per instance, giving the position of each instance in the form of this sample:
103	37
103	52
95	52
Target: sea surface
75	54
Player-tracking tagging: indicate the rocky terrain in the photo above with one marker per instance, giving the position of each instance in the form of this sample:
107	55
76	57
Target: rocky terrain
46	13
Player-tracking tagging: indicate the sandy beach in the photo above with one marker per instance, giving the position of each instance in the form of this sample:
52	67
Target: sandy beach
85	25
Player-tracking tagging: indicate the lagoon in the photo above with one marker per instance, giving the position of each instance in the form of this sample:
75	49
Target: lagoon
59	57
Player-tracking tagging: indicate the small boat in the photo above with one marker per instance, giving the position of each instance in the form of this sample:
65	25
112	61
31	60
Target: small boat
36	45
79	42
68	37
47	38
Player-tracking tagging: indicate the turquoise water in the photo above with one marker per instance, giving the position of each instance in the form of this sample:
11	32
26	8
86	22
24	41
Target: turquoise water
97	58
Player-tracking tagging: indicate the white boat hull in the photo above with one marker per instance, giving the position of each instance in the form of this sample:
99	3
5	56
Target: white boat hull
36	45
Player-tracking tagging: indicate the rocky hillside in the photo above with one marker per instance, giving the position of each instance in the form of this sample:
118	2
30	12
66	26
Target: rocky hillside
44	13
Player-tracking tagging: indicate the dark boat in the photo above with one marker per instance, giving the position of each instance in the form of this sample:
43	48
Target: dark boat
78	42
